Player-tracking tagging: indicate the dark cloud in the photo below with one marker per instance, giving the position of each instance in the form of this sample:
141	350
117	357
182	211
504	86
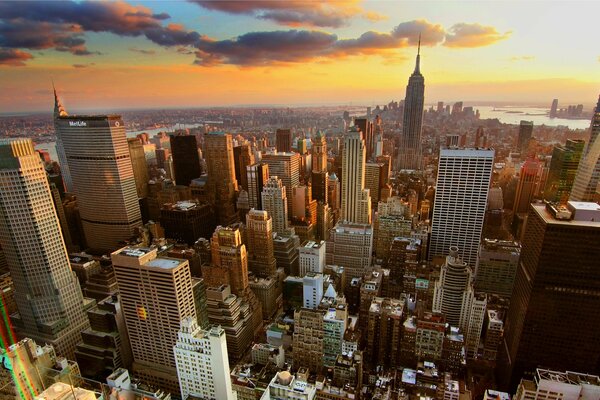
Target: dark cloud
14	57
21	33
316	13
431	34
473	35
142	51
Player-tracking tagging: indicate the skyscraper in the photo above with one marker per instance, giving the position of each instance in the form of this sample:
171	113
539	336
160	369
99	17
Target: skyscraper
222	185
554	108
356	200
257	175
47	293
283	140
588	173
259	231
319	153
409	153
525	131
202	363
242	158
140	168
156	295
186	160
461	195
553	315
99	164
285	166
563	168
528	186
274	201
367	128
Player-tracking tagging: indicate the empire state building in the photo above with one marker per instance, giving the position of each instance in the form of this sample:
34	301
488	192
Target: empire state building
409	153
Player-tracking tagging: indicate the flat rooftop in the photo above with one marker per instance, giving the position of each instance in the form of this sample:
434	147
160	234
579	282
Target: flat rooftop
135	252
541	210
164	263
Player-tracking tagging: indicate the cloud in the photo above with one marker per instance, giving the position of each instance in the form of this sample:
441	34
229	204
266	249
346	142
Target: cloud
294	13
473	35
142	51
14	57
522	58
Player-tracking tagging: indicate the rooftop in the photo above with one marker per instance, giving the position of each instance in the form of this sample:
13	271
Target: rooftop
164	263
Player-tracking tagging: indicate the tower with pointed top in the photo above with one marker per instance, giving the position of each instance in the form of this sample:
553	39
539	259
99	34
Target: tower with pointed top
409	153
60	111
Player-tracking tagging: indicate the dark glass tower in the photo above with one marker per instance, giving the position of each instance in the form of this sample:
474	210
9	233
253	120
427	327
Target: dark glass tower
409	154
186	160
553	317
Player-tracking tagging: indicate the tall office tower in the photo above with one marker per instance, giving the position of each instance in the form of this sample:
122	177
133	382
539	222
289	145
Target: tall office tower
528	187
312	290
242	158
285	166
47	293
97	158
229	252
308	339
384	330
496	267
588	173
409	153
356	200
319	153
374	180
274	201
320	183
553	315
303	205
105	346
140	168
494	330
333	192
403	258
186	160
286	252
461	196
366	127
187	221
525	132
283	140
156	295
257	176
563	168
350	245
162	141
202	362
385	229
222	185
554	108
268	292
311	257
324	221
259	233
60	111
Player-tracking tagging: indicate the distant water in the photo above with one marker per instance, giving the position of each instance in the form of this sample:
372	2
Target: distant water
539	116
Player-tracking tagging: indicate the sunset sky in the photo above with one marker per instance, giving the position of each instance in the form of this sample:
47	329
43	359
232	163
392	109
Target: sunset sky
117	55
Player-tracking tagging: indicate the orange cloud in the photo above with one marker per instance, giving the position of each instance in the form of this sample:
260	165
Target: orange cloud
473	35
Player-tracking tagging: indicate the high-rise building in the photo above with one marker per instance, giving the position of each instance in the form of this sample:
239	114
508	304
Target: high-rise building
156	295
528	187
47	294
100	172
242	158
259	233
229	252
320	184
140	168
285	166
186	160
409	153
554	108
525	132
563	168
350	245
319	153
552	319
384	331
356	200
257	176
496	267
461	196
187	221
366	127
283	140
548	384
308	339
311	257
274	201
312	289
588	174
222	185
202	362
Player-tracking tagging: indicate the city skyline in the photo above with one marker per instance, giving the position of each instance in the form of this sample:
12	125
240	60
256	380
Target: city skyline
251	53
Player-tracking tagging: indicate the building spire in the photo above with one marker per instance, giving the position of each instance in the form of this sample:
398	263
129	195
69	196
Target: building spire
59	110
418	63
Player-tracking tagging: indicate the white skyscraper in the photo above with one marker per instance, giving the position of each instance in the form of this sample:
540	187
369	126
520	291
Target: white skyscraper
202	363
587	179
47	293
461	196
312	287
93	150
356	200
274	201
311	257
